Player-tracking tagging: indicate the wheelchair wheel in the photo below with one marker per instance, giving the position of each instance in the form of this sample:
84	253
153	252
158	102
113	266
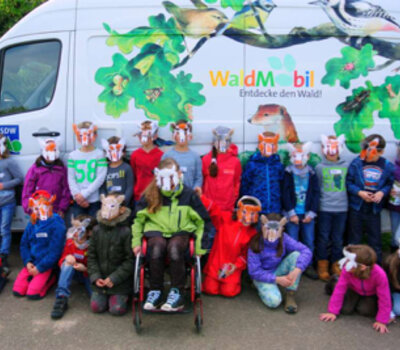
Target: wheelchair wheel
137	318
198	322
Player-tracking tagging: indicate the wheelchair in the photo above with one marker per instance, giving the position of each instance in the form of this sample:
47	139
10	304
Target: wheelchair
193	269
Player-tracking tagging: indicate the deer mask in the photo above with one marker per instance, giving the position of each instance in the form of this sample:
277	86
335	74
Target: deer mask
369	150
41	205
114	151
222	138
332	146
272	230
167	178
85	136
299	154
110	206
182	130
247	214
147	130
268	145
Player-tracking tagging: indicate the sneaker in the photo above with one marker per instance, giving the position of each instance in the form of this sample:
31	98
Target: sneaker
153	300
174	301
59	308
311	273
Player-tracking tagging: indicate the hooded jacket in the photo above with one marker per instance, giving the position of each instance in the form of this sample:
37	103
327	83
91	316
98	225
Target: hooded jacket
110	254
224	188
262	178
52	179
42	243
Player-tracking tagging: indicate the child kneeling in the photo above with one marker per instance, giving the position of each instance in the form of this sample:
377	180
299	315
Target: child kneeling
110	259
274	258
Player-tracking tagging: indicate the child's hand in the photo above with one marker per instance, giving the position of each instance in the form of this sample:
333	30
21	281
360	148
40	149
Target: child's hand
198	191
380	327
231	269
100	283
34	271
294	219
79	267
137	250
108	283
293	275
29	267
307	219
377	197
70	259
283	281
365	196
79	199
327	317
1	186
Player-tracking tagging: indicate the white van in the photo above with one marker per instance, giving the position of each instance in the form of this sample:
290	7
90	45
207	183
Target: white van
290	66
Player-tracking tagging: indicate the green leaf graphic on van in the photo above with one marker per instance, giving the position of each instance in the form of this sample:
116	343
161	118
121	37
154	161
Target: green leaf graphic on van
351	65
236	5
14	146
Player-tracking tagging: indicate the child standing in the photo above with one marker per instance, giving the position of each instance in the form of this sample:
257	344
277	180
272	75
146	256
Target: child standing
87	170
363	287
333	208
392	267
228	256
275	259
263	174
119	176
222	170
394	203
145	159
48	173
188	160
301	198
41	247
168	213
110	259
10	177
73	262
369	181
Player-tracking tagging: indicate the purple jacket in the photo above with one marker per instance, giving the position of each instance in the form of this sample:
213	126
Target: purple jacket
262	266
53	180
377	284
397	178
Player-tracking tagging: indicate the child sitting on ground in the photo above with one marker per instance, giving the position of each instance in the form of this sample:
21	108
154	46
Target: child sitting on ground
110	259
362	287
41	247
228	256
275	259
73	262
168	213
392	267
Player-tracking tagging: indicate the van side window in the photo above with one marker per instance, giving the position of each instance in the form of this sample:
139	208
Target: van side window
28	76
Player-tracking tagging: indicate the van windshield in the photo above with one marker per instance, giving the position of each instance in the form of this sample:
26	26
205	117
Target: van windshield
29	75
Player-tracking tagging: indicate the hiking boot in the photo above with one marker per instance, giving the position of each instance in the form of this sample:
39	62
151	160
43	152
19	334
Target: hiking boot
153	300
59	308
5	267
290	302
311	273
174	301
335	269
323	270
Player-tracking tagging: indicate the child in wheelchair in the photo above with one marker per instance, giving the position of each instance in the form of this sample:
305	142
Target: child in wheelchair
167	215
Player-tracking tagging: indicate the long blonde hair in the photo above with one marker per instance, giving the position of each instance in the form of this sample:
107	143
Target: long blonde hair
152	193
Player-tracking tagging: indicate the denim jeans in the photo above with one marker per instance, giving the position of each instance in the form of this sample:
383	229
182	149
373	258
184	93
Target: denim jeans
91	210
370	223
331	227
67	274
395	224
6	216
306	232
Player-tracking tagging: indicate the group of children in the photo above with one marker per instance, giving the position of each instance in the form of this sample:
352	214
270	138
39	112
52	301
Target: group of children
177	194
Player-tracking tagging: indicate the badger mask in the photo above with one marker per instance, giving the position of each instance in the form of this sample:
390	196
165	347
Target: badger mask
167	178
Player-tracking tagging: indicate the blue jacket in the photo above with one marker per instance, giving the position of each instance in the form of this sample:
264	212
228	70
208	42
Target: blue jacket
355	183
262	178
42	243
289	193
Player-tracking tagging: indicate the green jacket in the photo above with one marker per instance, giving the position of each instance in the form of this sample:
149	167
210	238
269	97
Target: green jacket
181	213
110	254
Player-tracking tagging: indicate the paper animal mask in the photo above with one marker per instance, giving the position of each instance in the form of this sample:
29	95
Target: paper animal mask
114	151
349	260
369	149
41	205
147	130
268	145
110	206
85	136
299	154
222	138
332	146
167	178
3	145
272	230
183	130
248	213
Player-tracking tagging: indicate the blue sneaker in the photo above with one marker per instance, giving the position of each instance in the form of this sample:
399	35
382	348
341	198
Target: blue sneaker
153	300
175	301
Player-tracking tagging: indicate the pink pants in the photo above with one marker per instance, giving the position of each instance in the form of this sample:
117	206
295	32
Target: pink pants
35	287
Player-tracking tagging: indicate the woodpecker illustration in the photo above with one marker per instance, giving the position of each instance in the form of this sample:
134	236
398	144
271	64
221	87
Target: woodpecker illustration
357	17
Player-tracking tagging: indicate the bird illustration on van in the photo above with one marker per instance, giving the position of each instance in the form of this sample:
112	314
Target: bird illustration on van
275	118
357	17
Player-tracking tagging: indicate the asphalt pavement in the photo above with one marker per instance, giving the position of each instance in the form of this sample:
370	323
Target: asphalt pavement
239	323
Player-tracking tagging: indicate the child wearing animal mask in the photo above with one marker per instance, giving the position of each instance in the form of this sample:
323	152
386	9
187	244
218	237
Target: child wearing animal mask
392	268
222	170
110	258
48	173
167	214
369	182
188	160
333	205
119	176
301	198
228	256
275	259
146	158
87	170
262	177
10	177
394	203
363	287
73	262
41	246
